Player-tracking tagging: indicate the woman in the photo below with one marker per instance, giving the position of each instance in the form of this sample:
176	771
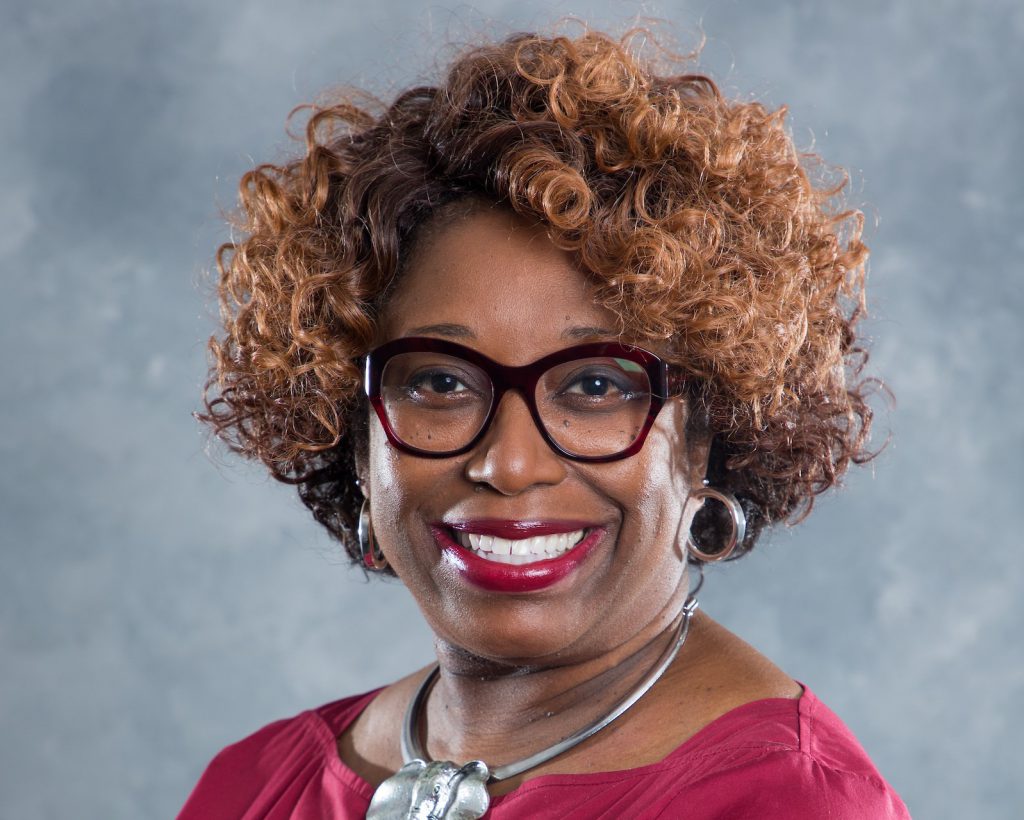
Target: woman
541	341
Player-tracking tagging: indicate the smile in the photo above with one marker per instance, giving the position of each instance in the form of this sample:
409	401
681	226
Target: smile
520	550
515	556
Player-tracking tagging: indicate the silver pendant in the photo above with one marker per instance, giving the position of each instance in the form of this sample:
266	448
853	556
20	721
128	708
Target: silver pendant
439	790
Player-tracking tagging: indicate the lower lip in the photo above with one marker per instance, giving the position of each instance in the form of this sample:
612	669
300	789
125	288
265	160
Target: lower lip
496	577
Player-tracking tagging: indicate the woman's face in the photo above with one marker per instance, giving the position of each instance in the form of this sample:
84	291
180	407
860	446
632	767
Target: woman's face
499	286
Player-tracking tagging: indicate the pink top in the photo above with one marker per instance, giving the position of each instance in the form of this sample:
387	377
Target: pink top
774	758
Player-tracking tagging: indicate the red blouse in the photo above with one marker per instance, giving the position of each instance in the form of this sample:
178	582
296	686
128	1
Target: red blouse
774	758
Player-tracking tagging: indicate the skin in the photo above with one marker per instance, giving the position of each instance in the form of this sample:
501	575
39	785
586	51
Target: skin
558	658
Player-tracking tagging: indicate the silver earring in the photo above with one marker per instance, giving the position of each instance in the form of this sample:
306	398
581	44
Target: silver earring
736	516
369	551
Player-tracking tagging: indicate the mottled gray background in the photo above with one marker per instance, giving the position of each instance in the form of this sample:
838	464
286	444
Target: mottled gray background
155	605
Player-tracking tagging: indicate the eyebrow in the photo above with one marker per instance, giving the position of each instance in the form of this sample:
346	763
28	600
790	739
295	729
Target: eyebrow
452	331
586	333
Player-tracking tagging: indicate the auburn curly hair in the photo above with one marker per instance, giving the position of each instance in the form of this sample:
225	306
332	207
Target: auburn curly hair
695	218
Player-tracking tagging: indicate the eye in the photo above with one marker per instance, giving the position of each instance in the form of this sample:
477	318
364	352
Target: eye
597	385
436	381
600	384
594	384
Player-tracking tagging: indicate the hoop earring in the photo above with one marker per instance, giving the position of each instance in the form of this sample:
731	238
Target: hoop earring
736	516
369	550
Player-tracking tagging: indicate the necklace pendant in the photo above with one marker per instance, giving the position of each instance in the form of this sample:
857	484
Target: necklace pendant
439	790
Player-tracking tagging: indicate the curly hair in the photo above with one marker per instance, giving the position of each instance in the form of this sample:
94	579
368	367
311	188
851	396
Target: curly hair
694	217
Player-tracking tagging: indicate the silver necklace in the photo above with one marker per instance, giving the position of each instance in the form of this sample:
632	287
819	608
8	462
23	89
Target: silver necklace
425	789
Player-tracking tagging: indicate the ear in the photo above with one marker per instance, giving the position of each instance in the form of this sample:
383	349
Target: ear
698	438
698	446
359	437
690	445
359	459
692	456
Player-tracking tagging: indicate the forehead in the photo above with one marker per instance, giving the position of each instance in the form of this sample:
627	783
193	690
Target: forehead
498	284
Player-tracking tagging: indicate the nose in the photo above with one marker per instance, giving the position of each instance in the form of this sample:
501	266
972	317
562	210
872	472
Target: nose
513	456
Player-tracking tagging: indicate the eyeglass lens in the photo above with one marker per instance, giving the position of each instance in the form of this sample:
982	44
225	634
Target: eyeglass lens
590	407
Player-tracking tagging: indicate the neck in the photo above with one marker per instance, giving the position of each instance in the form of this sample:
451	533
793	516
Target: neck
500	712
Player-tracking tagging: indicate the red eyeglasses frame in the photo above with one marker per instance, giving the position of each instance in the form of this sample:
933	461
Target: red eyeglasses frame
665	380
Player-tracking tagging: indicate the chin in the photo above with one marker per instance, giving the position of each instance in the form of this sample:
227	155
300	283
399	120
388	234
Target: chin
507	636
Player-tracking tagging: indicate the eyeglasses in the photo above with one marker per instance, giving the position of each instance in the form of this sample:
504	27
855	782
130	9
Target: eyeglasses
591	402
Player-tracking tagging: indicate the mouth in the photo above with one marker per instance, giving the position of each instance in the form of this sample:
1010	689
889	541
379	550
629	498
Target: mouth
519	551
515	556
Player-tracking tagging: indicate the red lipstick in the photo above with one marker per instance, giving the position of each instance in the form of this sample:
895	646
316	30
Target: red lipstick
512	578
515	529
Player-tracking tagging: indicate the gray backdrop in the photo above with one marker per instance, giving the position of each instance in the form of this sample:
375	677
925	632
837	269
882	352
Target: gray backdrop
156	604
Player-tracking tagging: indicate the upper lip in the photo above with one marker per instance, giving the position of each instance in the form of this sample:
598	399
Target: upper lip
512	529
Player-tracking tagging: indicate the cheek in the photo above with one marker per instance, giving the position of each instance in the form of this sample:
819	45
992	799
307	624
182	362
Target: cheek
382	461
667	472
659	486
390	484
404	492
657	510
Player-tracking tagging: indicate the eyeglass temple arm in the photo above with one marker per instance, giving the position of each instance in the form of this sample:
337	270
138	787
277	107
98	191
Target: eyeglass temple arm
675	380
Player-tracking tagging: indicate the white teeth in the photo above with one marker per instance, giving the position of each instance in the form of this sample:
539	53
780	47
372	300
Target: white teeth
520	550
480	543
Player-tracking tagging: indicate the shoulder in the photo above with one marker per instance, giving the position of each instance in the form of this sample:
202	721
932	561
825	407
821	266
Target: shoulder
271	759
783	758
